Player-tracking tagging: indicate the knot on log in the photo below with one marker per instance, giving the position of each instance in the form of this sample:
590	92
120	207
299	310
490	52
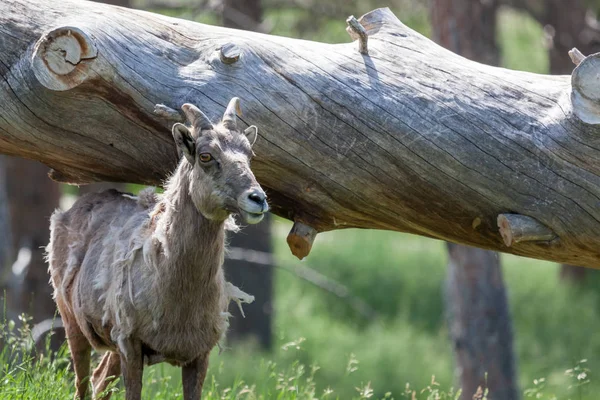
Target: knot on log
300	239
585	87
357	31
516	228
229	53
62	58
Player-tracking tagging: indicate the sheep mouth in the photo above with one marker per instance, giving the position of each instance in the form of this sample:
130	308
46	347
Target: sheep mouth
251	217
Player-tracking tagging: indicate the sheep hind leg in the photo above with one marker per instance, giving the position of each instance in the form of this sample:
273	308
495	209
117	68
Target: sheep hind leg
81	352
107	371
193	376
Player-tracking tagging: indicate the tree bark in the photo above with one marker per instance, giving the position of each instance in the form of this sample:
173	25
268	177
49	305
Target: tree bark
5	235
32	198
479	323
476	304
409	137
252	278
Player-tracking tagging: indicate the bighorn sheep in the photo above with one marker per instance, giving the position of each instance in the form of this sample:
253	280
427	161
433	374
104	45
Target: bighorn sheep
142	277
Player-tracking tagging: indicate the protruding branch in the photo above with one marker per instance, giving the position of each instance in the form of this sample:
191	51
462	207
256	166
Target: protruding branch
516	228
357	31
309	274
168	113
229	53
62	58
300	239
576	56
585	95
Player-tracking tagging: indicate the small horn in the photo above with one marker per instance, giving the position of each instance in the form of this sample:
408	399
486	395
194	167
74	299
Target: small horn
231	113
197	118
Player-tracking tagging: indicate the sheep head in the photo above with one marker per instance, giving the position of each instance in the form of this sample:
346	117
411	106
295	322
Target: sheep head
221	181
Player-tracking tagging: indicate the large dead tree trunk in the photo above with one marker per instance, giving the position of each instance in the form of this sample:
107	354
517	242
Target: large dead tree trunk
409	137
251	277
478	315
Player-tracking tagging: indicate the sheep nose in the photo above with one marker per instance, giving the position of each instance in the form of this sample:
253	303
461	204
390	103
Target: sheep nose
259	197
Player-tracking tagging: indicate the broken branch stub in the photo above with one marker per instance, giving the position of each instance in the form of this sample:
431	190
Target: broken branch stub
357	31
300	239
229	53
585	94
62	58
515	228
576	56
168	113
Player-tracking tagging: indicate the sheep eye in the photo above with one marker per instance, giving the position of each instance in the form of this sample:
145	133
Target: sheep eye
205	157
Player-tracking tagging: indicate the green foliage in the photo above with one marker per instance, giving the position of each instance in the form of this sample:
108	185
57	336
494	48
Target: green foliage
521	42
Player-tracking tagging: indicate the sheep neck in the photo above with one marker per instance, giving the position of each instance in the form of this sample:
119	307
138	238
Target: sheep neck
193	245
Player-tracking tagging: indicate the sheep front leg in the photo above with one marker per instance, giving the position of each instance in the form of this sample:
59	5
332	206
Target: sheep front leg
132	367
192	376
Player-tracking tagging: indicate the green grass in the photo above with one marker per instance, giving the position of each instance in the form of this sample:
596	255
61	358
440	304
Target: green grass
323	346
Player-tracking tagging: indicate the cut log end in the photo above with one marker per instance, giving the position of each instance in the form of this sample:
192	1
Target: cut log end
300	239
62	58
516	228
229	53
585	94
576	56
358	32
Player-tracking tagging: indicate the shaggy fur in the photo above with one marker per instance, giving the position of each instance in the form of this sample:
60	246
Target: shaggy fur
141	277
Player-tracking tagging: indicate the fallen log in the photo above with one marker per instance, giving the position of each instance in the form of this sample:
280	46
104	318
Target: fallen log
403	135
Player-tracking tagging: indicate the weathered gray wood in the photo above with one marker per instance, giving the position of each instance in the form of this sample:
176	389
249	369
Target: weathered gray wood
358	32
229	53
410	138
576	56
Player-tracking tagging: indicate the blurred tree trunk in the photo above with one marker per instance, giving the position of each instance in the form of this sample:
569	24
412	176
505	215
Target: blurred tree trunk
242	14
32	198
566	25
5	235
477	308
251	278
480	324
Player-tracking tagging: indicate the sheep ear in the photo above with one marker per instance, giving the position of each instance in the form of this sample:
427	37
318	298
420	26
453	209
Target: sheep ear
251	133
185	142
